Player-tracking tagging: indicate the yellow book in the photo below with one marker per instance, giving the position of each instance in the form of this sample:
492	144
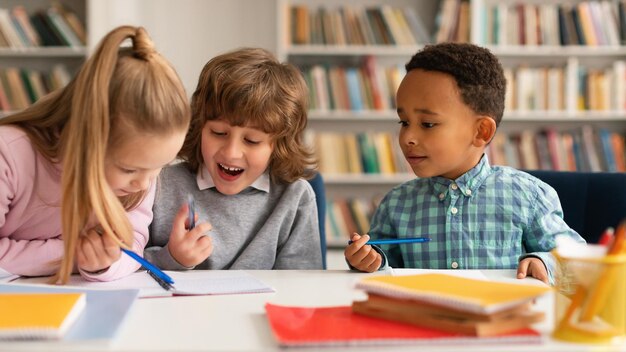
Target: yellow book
39	315
463	294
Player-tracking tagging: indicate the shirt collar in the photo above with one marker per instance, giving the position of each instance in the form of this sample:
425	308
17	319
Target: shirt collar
205	181
467	184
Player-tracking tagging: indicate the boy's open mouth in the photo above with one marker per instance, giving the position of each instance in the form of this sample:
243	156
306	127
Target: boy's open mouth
233	171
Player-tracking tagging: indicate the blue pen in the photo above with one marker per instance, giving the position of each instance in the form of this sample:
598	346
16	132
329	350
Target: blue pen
398	240
156	271
192	211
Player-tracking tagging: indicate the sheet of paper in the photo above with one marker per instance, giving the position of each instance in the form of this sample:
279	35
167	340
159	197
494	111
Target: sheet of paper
212	282
6	276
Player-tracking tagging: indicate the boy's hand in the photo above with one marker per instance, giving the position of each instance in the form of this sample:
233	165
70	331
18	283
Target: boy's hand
362	256
533	267
189	247
96	252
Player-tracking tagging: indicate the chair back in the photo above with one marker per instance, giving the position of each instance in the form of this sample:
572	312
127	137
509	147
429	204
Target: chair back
591	201
317	183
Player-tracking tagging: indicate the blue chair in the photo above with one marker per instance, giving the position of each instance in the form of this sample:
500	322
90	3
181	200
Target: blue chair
317	183
591	201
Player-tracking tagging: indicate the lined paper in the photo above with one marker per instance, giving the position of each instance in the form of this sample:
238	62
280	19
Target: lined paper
210	282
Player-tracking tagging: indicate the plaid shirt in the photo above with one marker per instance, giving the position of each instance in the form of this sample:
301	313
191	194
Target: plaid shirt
489	218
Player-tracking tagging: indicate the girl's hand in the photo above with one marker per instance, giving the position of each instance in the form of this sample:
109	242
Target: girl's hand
189	247
361	255
96	252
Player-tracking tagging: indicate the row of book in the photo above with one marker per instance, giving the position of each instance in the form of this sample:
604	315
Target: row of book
581	149
453	22
372	87
20	87
345	216
55	26
546	88
585	149
358	153
367	87
590	23
356	25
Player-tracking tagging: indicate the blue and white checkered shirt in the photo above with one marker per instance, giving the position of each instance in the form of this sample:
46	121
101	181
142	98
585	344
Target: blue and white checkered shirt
489	218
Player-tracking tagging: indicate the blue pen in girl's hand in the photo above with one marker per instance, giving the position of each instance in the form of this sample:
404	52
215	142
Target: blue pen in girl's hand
192	211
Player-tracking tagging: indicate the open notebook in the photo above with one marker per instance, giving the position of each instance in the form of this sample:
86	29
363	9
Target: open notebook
186	283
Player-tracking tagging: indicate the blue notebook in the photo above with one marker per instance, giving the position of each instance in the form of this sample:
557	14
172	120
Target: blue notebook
103	316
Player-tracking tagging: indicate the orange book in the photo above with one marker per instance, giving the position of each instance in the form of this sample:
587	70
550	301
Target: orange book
39	315
617	142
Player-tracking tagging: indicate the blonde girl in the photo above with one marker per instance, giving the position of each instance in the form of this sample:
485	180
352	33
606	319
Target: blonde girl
77	168
245	161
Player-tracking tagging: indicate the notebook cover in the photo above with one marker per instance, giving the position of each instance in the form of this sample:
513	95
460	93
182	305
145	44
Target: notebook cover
470	295
38	315
310	326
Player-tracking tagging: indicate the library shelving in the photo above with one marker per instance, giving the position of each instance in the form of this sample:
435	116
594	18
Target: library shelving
42	44
565	63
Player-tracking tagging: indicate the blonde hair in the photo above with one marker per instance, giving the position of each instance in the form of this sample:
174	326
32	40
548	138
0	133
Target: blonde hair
117	93
250	87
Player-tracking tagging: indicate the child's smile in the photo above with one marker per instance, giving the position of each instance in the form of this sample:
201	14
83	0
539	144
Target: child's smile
235	156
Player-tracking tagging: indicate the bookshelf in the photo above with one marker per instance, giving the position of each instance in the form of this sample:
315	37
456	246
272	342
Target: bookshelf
550	101
47	63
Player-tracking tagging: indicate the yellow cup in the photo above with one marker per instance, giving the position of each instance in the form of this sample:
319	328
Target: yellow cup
590	299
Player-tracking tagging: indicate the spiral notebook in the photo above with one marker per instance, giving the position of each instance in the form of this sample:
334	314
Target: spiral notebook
103	316
339	326
39	316
469	295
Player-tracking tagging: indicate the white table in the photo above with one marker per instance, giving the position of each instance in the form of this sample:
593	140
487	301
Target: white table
238	322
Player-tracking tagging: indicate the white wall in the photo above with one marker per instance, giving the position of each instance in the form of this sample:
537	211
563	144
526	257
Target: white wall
189	32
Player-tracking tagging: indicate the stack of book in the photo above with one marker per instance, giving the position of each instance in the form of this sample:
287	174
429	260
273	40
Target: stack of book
449	303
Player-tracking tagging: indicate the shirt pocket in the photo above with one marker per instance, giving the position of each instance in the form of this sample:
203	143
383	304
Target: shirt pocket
496	249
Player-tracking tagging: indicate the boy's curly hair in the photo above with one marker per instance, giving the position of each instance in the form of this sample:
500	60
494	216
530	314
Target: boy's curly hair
477	72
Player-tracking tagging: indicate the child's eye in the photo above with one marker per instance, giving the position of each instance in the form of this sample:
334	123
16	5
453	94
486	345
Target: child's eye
403	123
127	171
428	124
252	142
218	133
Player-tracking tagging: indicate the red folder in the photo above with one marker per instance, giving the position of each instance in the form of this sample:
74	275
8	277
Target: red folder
310	326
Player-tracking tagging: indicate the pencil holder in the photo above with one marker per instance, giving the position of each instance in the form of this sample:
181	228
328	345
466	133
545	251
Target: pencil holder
590	299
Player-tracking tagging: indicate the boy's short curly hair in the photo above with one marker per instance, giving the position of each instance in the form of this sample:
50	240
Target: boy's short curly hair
477	72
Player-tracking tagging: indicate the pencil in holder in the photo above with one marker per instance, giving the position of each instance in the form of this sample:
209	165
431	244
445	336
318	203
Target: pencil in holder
590	299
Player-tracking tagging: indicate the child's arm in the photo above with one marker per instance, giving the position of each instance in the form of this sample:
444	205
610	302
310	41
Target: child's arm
545	223
302	248
29	254
139	217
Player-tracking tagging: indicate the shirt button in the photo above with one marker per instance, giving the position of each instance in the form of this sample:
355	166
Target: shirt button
441	196
454	265
454	186
454	210
468	192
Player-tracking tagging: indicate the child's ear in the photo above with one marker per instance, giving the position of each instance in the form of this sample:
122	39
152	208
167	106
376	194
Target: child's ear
485	130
